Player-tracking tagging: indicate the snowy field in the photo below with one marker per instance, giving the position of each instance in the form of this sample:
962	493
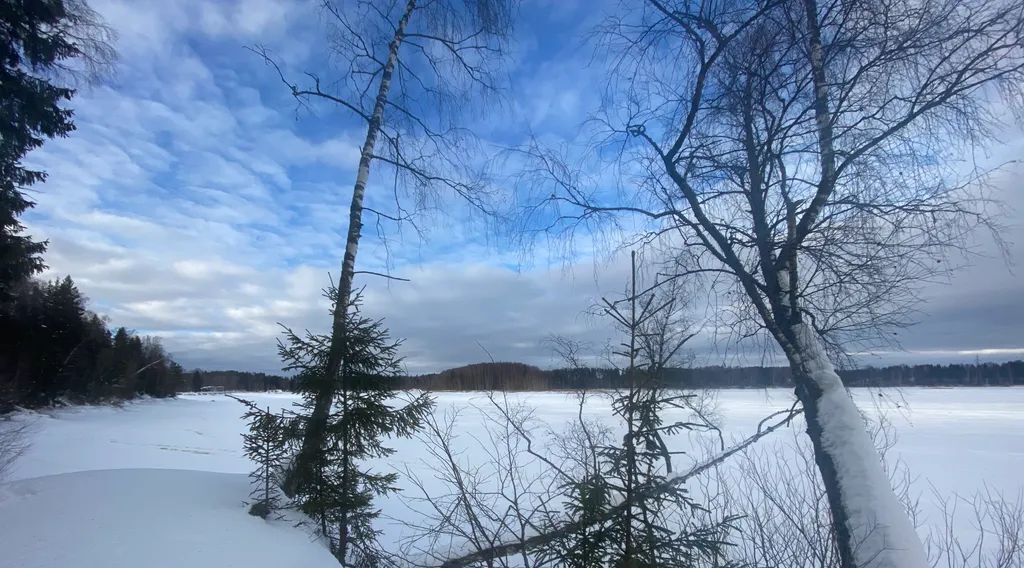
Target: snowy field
955	440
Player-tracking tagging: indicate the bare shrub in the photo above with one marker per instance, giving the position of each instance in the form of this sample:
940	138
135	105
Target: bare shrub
998	522
13	443
788	523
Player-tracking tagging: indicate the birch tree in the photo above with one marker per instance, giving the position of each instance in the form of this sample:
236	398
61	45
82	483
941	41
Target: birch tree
408	69
809	155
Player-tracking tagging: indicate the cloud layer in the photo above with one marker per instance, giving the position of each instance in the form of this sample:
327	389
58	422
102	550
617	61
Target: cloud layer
196	204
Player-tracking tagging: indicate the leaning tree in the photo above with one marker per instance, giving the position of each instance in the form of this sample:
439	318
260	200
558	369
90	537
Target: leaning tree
408	70
810	156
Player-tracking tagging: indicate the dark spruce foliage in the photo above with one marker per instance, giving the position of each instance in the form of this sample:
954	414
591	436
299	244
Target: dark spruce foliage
266	444
30	112
39	39
52	347
49	345
364	413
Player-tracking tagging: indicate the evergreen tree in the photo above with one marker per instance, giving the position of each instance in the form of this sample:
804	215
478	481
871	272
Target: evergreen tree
38	40
153	376
90	361
64	329
639	520
53	347
266	445
42	42
341	495
175	378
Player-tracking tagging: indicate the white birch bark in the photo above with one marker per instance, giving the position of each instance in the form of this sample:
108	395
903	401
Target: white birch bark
315	430
881	532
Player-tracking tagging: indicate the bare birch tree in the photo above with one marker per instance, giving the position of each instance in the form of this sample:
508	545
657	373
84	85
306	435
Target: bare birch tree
810	154
408	69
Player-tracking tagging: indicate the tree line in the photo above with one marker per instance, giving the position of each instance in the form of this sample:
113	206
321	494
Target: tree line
522	377
52	347
235	381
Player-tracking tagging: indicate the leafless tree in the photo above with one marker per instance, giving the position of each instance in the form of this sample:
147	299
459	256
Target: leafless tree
998	523
94	42
471	521
408	70
810	155
508	496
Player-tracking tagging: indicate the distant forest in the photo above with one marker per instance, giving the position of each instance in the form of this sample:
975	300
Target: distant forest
235	381
521	377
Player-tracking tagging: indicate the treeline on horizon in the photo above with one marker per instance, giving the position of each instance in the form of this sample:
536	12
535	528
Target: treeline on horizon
53	348
235	381
522	377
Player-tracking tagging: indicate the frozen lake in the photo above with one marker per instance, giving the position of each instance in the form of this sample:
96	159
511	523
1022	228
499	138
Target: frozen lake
955	440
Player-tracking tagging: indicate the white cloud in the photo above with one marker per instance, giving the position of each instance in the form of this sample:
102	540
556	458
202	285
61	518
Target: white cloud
191	204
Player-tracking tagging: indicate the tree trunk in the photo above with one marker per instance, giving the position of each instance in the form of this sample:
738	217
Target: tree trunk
630	445
872	527
316	426
346	478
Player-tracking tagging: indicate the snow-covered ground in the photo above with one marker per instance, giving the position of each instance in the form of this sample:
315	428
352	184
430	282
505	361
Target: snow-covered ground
157	518
953	439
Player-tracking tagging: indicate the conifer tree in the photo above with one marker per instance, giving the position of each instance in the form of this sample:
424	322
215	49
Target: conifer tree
52	347
38	40
266	444
342	491
640	522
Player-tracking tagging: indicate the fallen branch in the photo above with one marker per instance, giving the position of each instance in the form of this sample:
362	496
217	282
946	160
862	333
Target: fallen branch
518	546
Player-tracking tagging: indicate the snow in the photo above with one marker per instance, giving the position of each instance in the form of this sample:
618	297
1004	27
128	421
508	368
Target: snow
881	531
953	439
126	518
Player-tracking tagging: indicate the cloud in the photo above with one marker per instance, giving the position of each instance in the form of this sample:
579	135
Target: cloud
194	203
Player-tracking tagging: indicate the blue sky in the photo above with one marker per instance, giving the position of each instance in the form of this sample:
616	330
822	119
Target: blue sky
198	203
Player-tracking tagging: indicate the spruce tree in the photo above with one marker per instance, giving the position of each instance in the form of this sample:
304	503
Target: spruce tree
640	521
340	496
34	40
267	446
45	47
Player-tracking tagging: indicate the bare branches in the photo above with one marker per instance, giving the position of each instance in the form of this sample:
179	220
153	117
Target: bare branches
505	549
482	503
382	275
93	41
832	160
384	87
996	517
448	62
809	151
14	433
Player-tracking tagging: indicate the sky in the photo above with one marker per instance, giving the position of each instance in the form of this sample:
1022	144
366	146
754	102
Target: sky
198	203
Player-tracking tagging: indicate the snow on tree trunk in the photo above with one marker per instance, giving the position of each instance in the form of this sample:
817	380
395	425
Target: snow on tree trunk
881	534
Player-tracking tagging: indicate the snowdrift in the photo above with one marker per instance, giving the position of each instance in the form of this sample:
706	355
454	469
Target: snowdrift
127	518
